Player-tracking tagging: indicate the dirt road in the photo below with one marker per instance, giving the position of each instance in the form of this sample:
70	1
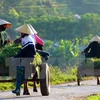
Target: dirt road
67	91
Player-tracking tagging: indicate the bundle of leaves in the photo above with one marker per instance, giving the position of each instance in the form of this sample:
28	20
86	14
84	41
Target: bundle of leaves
11	50
8	51
91	63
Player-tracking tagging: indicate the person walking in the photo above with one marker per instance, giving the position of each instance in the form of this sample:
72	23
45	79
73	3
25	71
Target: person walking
93	49
3	26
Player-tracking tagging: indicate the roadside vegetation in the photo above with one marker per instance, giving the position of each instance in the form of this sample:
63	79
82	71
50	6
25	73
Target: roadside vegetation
94	97
57	76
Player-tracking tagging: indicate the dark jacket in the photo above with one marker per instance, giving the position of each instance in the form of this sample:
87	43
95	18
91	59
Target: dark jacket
27	52
93	50
28	48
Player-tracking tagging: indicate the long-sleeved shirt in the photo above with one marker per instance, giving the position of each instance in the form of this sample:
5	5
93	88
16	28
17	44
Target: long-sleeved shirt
93	49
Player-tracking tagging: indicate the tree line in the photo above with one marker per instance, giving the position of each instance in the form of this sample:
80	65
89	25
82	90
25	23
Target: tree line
53	19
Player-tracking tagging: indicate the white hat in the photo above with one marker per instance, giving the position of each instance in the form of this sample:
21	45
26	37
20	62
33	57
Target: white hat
24	29
3	22
34	31
95	38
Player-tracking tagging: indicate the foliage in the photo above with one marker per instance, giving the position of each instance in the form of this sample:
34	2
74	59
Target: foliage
94	97
48	45
65	50
53	19
8	51
11	50
6	86
37	60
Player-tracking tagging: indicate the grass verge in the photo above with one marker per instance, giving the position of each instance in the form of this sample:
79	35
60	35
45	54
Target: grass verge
57	76
93	97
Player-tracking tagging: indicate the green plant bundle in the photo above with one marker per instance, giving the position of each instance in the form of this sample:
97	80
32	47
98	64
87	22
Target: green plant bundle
91	63
37	60
8	51
11	50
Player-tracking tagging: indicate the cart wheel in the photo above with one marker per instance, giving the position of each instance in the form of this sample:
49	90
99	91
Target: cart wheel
44	79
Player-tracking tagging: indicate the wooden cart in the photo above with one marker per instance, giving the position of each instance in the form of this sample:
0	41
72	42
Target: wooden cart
43	79
88	68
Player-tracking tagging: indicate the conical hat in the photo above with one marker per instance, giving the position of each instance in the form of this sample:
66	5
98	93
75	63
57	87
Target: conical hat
95	38
34	31
24	29
3	22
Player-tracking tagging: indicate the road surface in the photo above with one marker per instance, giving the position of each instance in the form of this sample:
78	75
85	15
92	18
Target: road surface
67	91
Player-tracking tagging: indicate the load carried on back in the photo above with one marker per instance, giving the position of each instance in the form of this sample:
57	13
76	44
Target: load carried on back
93	49
90	66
